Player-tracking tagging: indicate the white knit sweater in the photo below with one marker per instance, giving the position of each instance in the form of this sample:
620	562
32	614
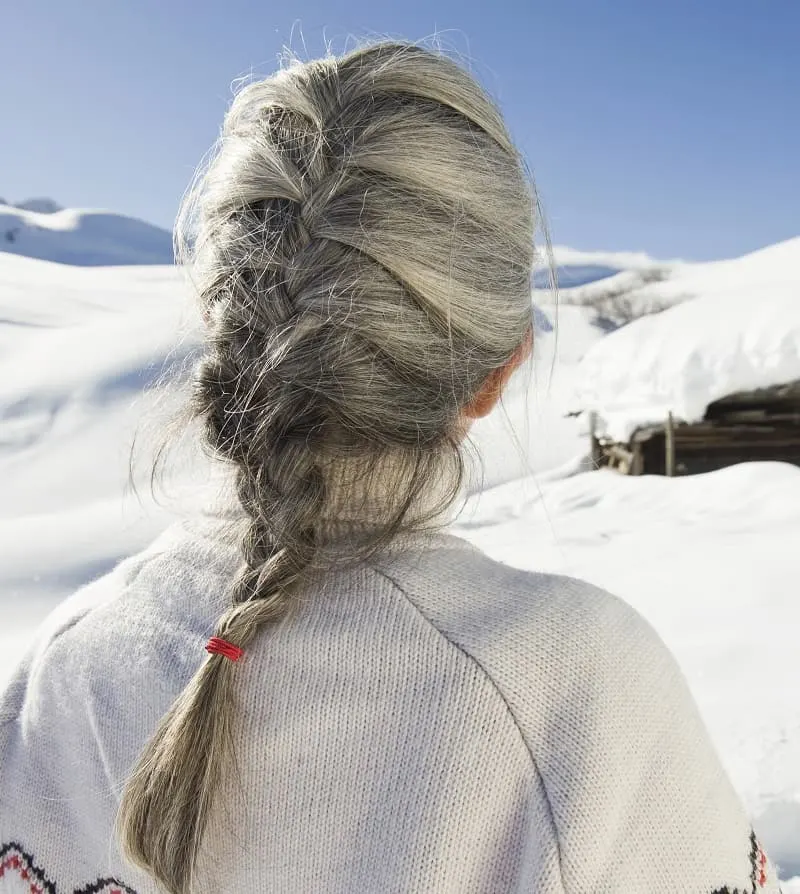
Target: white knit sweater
433	722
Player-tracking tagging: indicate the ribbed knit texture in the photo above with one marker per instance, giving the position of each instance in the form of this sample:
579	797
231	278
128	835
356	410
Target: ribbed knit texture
433	721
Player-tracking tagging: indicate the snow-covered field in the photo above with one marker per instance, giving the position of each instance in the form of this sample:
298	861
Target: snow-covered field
711	561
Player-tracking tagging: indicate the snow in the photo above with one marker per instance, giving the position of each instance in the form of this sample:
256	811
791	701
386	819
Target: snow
739	331
633	287
77	347
711	561
39	229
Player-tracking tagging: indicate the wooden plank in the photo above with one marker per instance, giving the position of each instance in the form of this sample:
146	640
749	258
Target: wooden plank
619	457
670	446
777	394
595	452
761	415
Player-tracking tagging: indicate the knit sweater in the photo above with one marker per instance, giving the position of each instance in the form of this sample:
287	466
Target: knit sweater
428	721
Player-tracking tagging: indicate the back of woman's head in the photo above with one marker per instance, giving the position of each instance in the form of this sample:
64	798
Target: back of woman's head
361	245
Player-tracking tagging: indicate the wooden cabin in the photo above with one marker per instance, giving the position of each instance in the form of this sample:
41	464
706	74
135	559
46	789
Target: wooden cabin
750	426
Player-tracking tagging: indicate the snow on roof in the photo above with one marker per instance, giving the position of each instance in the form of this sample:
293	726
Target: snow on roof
740	332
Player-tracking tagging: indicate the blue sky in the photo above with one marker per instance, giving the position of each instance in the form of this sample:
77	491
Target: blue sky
668	127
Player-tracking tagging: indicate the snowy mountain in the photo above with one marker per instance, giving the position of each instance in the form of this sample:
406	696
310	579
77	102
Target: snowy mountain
577	268
711	560
39	228
38	204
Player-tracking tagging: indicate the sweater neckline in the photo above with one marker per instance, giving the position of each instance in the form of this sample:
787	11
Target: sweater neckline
221	524
355	506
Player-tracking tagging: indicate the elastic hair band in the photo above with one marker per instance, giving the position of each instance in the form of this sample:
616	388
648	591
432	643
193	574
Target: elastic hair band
217	646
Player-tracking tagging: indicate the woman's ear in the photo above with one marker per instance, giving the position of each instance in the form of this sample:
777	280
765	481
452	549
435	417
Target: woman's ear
484	401
489	394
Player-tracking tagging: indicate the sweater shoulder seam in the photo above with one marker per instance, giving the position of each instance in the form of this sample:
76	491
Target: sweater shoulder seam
496	688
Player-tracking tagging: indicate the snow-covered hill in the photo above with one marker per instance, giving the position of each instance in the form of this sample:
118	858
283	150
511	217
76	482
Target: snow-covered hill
740	333
711	561
40	229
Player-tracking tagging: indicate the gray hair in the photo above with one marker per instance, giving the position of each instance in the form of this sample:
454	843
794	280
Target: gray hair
362	245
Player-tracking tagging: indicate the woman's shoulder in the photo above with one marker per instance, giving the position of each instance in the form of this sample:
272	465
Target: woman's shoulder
553	645
457	585
104	627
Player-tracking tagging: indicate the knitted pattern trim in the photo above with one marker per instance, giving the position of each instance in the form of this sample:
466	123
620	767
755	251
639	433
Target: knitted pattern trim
15	859
758	870
17	862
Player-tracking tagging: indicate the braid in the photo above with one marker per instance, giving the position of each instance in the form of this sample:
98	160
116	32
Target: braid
272	567
257	417
263	420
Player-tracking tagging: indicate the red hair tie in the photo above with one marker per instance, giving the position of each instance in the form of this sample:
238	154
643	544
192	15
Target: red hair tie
217	646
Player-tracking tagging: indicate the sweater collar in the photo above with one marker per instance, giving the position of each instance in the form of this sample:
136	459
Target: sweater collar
356	502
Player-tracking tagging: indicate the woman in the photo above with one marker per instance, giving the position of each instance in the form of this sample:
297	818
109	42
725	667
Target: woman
382	707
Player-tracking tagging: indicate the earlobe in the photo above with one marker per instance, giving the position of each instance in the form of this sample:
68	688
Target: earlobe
483	402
